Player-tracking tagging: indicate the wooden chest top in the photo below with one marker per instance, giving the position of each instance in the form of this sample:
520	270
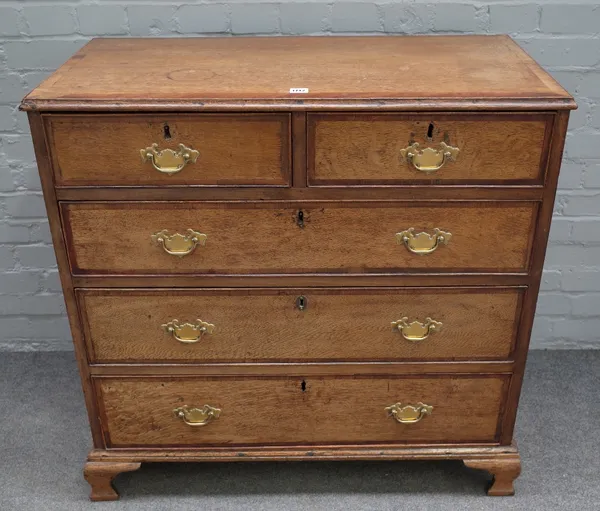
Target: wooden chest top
441	72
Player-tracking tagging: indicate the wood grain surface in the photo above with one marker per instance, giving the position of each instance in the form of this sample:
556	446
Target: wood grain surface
141	73
365	149
266	238
281	410
253	325
234	149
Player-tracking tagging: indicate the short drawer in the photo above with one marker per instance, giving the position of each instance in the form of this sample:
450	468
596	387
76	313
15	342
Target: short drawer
279	238
299	325
169	411
167	150
392	149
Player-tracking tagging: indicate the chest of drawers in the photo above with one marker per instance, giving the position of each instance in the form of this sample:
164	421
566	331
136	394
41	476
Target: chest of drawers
348	272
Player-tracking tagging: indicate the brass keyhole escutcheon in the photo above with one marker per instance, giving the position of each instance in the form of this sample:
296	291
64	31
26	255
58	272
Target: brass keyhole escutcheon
301	302
300	219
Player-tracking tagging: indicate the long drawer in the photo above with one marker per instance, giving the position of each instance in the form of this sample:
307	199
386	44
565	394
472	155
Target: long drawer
291	238
164	411
296	325
167	150
398	149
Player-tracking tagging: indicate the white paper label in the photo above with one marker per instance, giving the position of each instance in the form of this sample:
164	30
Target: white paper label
298	90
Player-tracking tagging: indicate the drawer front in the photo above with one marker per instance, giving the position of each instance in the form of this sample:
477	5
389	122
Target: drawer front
106	150
295	325
149	412
367	149
266	238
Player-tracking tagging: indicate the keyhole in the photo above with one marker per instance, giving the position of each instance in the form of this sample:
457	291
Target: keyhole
301	302
166	131
430	131
303	386
300	218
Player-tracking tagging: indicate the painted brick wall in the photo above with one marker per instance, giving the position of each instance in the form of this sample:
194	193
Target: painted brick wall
37	36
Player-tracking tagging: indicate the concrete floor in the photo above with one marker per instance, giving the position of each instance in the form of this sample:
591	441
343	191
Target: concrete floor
45	439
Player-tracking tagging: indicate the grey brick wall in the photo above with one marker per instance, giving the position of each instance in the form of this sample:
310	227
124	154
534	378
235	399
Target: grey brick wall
36	37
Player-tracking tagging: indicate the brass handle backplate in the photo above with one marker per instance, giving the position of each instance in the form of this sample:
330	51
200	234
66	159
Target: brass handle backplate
195	416
423	243
169	161
416	331
179	244
429	159
188	333
409	414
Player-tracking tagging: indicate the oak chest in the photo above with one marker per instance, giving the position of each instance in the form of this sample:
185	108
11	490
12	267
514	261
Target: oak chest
300	248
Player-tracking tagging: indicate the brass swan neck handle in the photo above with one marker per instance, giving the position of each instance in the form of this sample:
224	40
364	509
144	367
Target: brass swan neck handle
179	244
197	416
409	414
168	161
423	243
429	159
416	331
188	333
